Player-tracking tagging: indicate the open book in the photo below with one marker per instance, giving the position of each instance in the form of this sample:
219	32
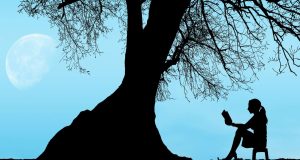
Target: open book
227	117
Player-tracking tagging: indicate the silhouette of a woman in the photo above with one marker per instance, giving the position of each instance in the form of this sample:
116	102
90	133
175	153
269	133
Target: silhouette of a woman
258	123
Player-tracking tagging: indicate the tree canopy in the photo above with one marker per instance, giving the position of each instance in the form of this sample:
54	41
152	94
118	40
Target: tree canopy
219	46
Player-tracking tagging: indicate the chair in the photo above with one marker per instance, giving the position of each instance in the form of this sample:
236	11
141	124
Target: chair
255	150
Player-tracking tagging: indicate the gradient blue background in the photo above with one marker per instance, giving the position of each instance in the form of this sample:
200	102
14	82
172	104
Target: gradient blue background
29	118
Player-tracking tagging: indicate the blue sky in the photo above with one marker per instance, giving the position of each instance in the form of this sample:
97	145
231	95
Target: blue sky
30	117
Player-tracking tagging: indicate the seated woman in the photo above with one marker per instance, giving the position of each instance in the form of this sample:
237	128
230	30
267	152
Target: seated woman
257	139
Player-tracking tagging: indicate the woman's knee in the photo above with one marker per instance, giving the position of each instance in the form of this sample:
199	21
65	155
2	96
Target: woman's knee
240	131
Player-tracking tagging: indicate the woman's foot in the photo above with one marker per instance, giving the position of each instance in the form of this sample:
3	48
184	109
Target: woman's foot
230	156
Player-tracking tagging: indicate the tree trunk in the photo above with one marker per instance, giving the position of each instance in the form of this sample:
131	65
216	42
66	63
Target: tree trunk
123	125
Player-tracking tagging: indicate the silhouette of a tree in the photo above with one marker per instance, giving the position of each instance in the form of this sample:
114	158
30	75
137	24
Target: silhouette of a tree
210	46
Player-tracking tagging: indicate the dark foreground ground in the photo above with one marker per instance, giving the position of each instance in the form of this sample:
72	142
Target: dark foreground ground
270	159
194	159
273	159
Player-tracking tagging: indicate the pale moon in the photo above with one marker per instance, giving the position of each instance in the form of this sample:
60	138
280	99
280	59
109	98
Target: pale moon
27	60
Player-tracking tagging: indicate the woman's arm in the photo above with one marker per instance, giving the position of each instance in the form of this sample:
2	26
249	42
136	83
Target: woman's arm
238	125
247	125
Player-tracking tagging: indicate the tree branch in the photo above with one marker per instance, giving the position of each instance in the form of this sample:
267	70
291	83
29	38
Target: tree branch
65	3
213	37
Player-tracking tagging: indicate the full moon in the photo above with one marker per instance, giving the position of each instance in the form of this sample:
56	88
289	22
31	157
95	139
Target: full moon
27	60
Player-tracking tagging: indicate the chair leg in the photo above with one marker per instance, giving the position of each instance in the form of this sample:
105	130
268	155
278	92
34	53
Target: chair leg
255	151
253	154
267	154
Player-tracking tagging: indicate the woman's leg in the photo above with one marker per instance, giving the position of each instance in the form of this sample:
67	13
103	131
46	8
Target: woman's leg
239	134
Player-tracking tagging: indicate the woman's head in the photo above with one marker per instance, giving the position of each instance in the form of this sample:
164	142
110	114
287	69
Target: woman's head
254	105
